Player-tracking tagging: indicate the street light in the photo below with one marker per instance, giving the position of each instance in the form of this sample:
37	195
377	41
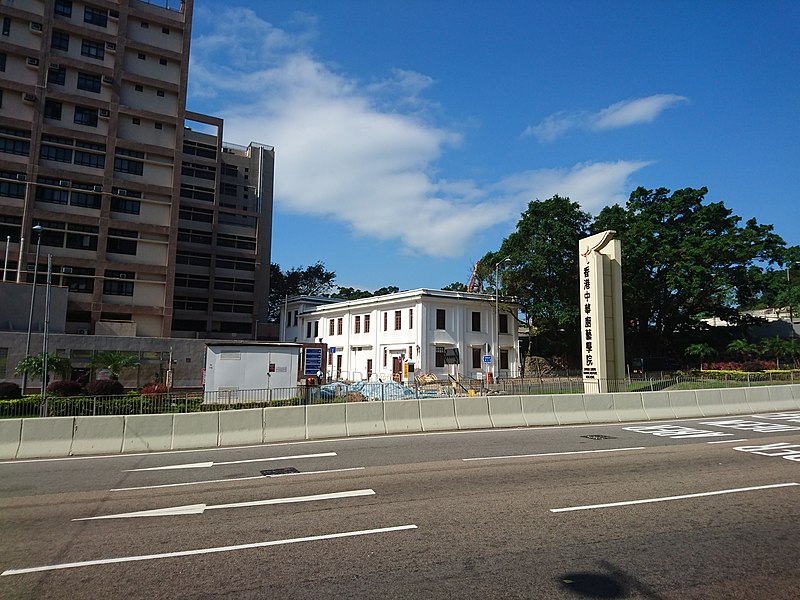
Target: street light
496	349
46	333
38	229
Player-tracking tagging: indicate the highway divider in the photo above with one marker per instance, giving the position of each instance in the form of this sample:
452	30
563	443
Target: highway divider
66	436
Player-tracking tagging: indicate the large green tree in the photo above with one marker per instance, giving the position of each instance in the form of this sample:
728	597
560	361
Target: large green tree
685	259
314	280
543	270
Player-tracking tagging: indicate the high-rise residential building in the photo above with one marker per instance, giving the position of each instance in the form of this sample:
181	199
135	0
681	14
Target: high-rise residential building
155	225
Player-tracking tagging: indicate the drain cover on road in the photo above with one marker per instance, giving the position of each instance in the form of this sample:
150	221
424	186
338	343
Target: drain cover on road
598	436
284	471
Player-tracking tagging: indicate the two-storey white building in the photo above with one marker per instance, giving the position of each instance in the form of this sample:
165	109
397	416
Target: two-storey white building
375	338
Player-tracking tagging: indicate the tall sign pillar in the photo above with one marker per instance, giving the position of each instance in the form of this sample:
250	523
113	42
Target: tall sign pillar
601	320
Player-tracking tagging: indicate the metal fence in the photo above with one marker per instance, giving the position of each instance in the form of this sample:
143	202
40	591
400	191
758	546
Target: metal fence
134	403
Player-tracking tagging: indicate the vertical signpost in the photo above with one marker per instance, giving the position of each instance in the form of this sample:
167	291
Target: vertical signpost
602	332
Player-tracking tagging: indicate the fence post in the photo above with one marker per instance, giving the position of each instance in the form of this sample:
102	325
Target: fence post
651	383
748	380
94	406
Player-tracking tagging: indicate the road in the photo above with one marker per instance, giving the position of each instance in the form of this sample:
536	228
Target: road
700	508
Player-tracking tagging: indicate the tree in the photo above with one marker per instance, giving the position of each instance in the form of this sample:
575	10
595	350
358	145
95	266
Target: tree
348	293
114	361
313	280
34	365
742	349
775	347
456	286
701	352
543	270
685	259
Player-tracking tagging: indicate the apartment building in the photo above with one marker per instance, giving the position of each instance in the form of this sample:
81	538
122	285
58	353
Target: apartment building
377	338
156	227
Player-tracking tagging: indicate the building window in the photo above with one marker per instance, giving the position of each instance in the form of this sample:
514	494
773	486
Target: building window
331	326
138	88
162	61
502	323
398	320
95	50
440	319
339	326
165	30
57	76
85	200
316	329
85	116
87	159
60	41
366	323
125	165
357	324
52	110
294	324
411	318
385	321
89	82
63	8
95	16
121	242
476	321
141	56
410	352
9	189
118	283
160	93
476	357
504	360
440	356
51	195
2	61
126	206
159	125
385	357
55	153
6	26
136	121
145	25
81	280
308	330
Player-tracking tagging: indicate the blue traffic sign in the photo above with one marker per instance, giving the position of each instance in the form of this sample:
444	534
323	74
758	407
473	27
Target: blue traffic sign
487	358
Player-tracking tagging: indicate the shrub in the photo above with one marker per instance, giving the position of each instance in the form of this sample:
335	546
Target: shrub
154	389
10	390
105	388
752	366
65	388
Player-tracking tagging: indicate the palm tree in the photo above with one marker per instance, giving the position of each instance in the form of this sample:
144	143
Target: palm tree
777	347
114	361
699	351
33	365
741	348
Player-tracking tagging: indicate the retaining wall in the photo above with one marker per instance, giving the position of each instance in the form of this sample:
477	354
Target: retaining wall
65	436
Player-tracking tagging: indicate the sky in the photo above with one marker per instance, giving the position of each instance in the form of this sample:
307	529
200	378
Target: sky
410	136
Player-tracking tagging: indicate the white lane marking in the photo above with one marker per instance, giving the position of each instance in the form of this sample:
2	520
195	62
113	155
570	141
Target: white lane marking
728	441
666	498
205	465
168	485
552	454
124	559
198	509
675	432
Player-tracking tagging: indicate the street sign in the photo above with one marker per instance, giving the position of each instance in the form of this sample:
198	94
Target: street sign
313	361
487	358
332	349
451	356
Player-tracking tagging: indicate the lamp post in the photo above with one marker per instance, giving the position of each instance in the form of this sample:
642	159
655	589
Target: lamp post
496	349
46	332
5	262
38	229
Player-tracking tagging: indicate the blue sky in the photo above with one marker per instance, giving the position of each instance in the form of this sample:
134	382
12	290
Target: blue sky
410	135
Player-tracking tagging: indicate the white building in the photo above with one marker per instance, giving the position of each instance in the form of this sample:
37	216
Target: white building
376	338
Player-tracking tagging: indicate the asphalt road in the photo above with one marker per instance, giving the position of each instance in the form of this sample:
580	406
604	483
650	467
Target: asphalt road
701	508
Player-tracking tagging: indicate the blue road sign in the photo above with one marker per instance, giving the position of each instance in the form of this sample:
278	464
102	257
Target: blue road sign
487	358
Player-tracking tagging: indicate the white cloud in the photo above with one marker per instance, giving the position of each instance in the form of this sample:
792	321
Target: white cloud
342	154
620	114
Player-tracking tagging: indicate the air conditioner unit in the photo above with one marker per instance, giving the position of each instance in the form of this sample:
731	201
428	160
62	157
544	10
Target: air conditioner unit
122	192
55	66
104	113
64	182
97	188
108	79
122	276
28	97
83	331
32	61
66	270
21	177
111	46
36	27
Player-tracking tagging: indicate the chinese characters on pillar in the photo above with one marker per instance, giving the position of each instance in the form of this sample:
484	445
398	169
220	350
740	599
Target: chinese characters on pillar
589	368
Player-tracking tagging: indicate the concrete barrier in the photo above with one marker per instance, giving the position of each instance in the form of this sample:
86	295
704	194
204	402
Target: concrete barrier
325	421
50	436
364	418
147	433
98	435
402	416
10	435
656	406
241	427
629	406
600	408
782	398
437	414
284	423
711	404
569	409
538	410
472	412
759	400
735	400
796	392
195	430
506	411
684	404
